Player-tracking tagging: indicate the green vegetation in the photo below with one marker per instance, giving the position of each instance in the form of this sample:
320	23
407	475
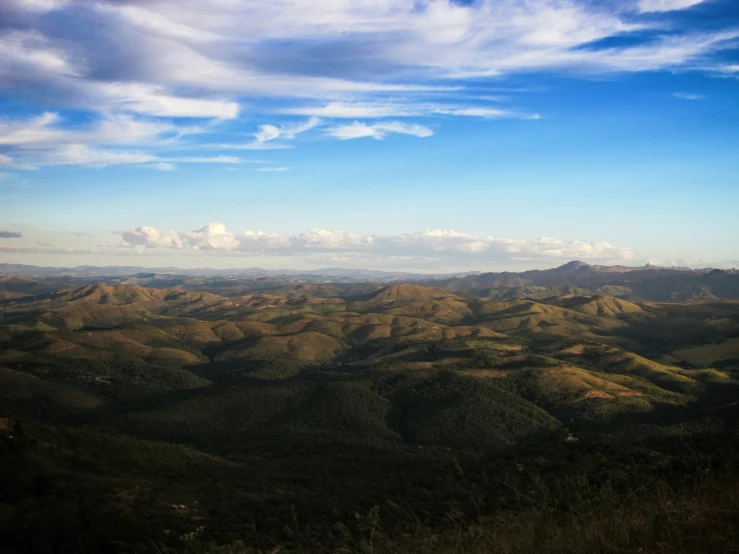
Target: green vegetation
360	418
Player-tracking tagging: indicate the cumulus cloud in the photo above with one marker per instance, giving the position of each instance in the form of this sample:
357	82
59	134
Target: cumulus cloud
10	235
150	237
330	240
441	244
212	237
378	130
259	241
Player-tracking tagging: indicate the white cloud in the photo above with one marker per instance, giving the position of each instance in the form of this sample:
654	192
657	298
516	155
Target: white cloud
77	154
688	96
378	130
368	110
648	6
682	262
254	145
138	63
286	131
323	239
150	21
44	140
351	110
196	46
32	51
204	160
267	133
47	131
259	241
728	68
151	100
39	5
485	113
272	137
150	237
163	166
442	244
291	130
270	169
212	237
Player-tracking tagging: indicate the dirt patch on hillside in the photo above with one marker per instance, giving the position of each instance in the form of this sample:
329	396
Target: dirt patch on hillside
596	394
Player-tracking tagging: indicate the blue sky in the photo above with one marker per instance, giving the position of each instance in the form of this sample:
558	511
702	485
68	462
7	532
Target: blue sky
422	135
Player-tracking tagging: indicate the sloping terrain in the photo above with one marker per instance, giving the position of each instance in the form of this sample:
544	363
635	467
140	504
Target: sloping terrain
569	349
415	396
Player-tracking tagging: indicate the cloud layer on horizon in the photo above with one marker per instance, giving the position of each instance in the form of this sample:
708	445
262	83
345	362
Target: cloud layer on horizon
447	246
428	250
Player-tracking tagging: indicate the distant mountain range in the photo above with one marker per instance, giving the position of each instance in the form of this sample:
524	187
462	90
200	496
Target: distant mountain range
657	284
646	283
341	274
348	274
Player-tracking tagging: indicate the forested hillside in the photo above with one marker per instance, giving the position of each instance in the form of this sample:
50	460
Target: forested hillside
364	418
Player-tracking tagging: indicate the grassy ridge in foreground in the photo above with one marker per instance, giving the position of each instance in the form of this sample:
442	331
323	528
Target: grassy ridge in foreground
80	491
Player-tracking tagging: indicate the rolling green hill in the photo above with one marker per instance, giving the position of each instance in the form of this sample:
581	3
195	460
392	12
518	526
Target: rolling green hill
318	401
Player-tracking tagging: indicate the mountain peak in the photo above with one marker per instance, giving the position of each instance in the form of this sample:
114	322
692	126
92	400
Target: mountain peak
576	265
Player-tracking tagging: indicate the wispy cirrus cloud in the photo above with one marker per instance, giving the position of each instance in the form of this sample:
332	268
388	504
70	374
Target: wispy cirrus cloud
142	67
688	96
151	100
45	140
272	137
378	131
369	110
651	6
